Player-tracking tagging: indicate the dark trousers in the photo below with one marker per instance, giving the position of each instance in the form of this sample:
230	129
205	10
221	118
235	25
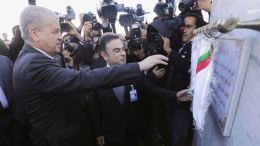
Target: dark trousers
176	127
181	127
6	135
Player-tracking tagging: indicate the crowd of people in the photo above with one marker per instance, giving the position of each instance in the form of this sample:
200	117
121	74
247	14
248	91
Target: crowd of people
62	85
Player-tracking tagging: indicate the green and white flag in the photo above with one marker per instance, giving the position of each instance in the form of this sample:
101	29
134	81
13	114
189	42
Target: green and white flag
201	74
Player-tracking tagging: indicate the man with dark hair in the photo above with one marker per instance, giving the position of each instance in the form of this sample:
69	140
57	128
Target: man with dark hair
179	78
49	91
117	112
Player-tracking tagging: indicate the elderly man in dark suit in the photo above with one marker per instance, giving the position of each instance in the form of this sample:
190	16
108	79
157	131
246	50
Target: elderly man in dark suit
48	90
6	98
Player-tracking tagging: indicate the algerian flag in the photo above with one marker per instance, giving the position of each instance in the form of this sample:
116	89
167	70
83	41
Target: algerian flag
201	73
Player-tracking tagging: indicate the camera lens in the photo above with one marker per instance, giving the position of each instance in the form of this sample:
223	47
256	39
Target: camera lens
96	26
135	44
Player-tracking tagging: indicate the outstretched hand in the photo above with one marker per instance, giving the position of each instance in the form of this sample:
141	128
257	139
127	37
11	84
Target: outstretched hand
151	61
184	95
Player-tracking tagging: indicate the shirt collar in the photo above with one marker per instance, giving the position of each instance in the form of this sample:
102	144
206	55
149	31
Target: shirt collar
44	53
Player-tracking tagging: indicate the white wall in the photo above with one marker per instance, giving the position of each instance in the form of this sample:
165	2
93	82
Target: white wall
246	126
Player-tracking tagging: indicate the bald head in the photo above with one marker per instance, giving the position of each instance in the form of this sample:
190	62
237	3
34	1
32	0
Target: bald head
36	17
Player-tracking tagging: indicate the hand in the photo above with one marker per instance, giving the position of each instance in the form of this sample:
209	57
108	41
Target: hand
184	95
87	28
100	140
104	21
81	18
159	73
166	45
203	5
151	61
67	57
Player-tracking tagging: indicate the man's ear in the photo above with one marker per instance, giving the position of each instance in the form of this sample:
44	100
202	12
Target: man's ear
34	34
104	55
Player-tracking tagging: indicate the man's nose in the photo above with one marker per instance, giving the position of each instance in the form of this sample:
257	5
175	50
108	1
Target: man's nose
59	37
123	52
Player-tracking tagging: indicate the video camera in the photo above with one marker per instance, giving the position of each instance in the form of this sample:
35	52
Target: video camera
132	16
186	5
165	28
108	10
135	41
65	27
70	14
32	2
154	42
90	17
165	10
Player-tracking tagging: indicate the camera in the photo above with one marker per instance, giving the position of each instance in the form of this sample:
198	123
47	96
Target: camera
154	42
67	46
169	28
132	16
65	27
135	41
108	10
32	2
70	14
186	5
164	10
90	17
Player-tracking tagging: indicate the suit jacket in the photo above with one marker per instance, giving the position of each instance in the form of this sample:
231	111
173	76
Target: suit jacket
178	73
6	68
6	119
52	107
113	120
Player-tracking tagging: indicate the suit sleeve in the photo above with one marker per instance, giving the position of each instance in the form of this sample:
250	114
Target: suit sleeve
48	77
156	90
6	78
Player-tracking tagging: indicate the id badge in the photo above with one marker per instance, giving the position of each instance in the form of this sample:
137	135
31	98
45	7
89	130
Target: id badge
133	94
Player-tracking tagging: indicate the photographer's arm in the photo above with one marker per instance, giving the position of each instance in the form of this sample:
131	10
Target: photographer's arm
79	29
105	25
87	29
73	31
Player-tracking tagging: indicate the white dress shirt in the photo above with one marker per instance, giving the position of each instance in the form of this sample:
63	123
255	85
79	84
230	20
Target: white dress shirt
3	99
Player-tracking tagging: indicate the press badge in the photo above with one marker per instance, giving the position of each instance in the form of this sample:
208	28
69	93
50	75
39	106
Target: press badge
133	94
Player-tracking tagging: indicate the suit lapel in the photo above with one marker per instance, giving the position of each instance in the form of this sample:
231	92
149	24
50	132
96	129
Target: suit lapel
114	96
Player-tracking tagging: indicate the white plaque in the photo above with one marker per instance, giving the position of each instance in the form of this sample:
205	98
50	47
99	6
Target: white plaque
230	65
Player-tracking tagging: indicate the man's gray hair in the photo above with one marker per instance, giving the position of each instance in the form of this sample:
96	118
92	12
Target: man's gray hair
34	16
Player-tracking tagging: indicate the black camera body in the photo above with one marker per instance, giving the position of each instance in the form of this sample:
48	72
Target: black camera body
186	5
70	14
159	28
68	47
65	27
90	17
108	10
154	44
132	15
164	10
135	41
129	19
